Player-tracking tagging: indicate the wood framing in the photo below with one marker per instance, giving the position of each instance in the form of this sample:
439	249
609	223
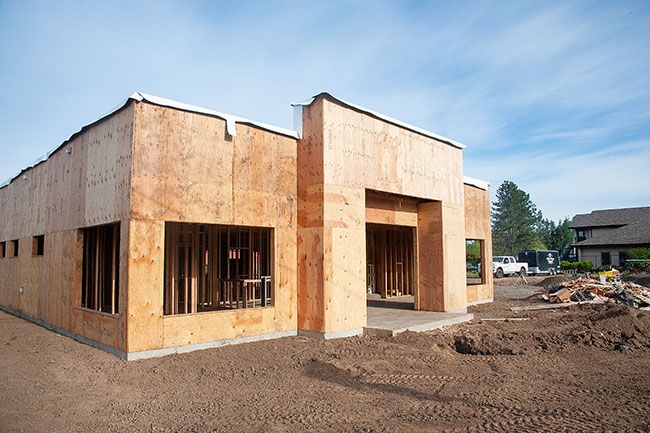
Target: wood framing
175	181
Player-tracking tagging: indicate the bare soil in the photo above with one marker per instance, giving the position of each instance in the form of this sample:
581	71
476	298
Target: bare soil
582	368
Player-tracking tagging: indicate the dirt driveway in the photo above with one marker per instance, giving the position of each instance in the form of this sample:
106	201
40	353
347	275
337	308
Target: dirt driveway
573	369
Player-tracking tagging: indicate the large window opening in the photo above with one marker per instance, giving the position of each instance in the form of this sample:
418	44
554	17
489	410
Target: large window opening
101	264
390	260
473	260
212	267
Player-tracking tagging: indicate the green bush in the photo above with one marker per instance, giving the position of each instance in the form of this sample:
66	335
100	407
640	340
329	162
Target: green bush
575	265
585	266
638	253
581	266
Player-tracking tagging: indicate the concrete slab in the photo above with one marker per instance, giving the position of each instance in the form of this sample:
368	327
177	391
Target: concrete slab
389	318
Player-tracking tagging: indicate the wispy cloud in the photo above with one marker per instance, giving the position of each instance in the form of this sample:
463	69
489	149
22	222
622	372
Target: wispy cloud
540	92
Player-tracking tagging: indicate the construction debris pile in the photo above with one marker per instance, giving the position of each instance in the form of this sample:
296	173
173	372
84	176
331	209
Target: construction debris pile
593	291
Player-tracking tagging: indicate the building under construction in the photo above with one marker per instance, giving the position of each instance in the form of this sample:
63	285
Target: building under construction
165	227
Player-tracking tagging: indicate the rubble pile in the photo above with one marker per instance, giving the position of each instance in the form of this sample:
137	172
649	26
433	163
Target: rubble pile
589	290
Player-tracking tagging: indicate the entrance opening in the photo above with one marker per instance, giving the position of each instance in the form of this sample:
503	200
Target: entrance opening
390	260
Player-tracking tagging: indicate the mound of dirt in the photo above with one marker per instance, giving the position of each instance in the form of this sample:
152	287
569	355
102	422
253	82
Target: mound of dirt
606	327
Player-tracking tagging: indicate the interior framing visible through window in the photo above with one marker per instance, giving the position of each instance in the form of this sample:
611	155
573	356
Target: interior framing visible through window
101	265
210	267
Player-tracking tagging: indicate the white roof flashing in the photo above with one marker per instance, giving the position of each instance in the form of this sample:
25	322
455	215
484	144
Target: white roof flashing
481	184
386	118
231	120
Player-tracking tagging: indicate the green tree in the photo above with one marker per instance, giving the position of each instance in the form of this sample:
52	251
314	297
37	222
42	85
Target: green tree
545	232
515	221
554	236
562	236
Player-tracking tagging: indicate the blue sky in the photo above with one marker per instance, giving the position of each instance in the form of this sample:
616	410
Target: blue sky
554	96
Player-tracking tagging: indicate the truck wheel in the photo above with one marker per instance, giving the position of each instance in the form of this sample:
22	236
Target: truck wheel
522	271
499	273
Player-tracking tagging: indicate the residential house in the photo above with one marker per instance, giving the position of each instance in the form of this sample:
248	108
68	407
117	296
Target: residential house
604	236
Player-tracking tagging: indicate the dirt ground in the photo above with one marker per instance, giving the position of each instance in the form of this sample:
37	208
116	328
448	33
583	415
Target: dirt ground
582	368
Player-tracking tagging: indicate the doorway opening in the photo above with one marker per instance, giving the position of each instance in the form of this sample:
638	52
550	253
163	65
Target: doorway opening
390	261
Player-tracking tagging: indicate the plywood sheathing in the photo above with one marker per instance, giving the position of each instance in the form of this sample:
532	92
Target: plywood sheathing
310	232
83	184
186	168
477	226
360	153
441	258
391	209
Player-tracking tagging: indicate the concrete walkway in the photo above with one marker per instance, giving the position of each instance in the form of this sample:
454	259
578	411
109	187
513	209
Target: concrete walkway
389	317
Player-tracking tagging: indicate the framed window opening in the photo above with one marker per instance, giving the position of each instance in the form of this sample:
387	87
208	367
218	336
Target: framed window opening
14	248
211	267
38	245
3	249
101	264
474	267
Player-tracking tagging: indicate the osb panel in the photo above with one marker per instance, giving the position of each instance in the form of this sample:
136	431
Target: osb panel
186	168
363	152
85	183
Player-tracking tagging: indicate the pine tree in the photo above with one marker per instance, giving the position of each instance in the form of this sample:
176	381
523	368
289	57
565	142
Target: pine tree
562	236
515	220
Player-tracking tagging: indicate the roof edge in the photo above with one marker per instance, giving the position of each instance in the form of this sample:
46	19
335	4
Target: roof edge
385	118
83	129
481	184
231	121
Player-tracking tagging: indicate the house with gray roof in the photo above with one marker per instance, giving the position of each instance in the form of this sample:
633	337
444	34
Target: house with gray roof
604	236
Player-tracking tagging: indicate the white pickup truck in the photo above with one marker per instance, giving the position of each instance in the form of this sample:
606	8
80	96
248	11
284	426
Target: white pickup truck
507	265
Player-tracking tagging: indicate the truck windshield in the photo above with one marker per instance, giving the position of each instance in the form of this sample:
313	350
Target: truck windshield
497	259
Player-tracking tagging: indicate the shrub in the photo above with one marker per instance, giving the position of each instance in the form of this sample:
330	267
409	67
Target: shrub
638	253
